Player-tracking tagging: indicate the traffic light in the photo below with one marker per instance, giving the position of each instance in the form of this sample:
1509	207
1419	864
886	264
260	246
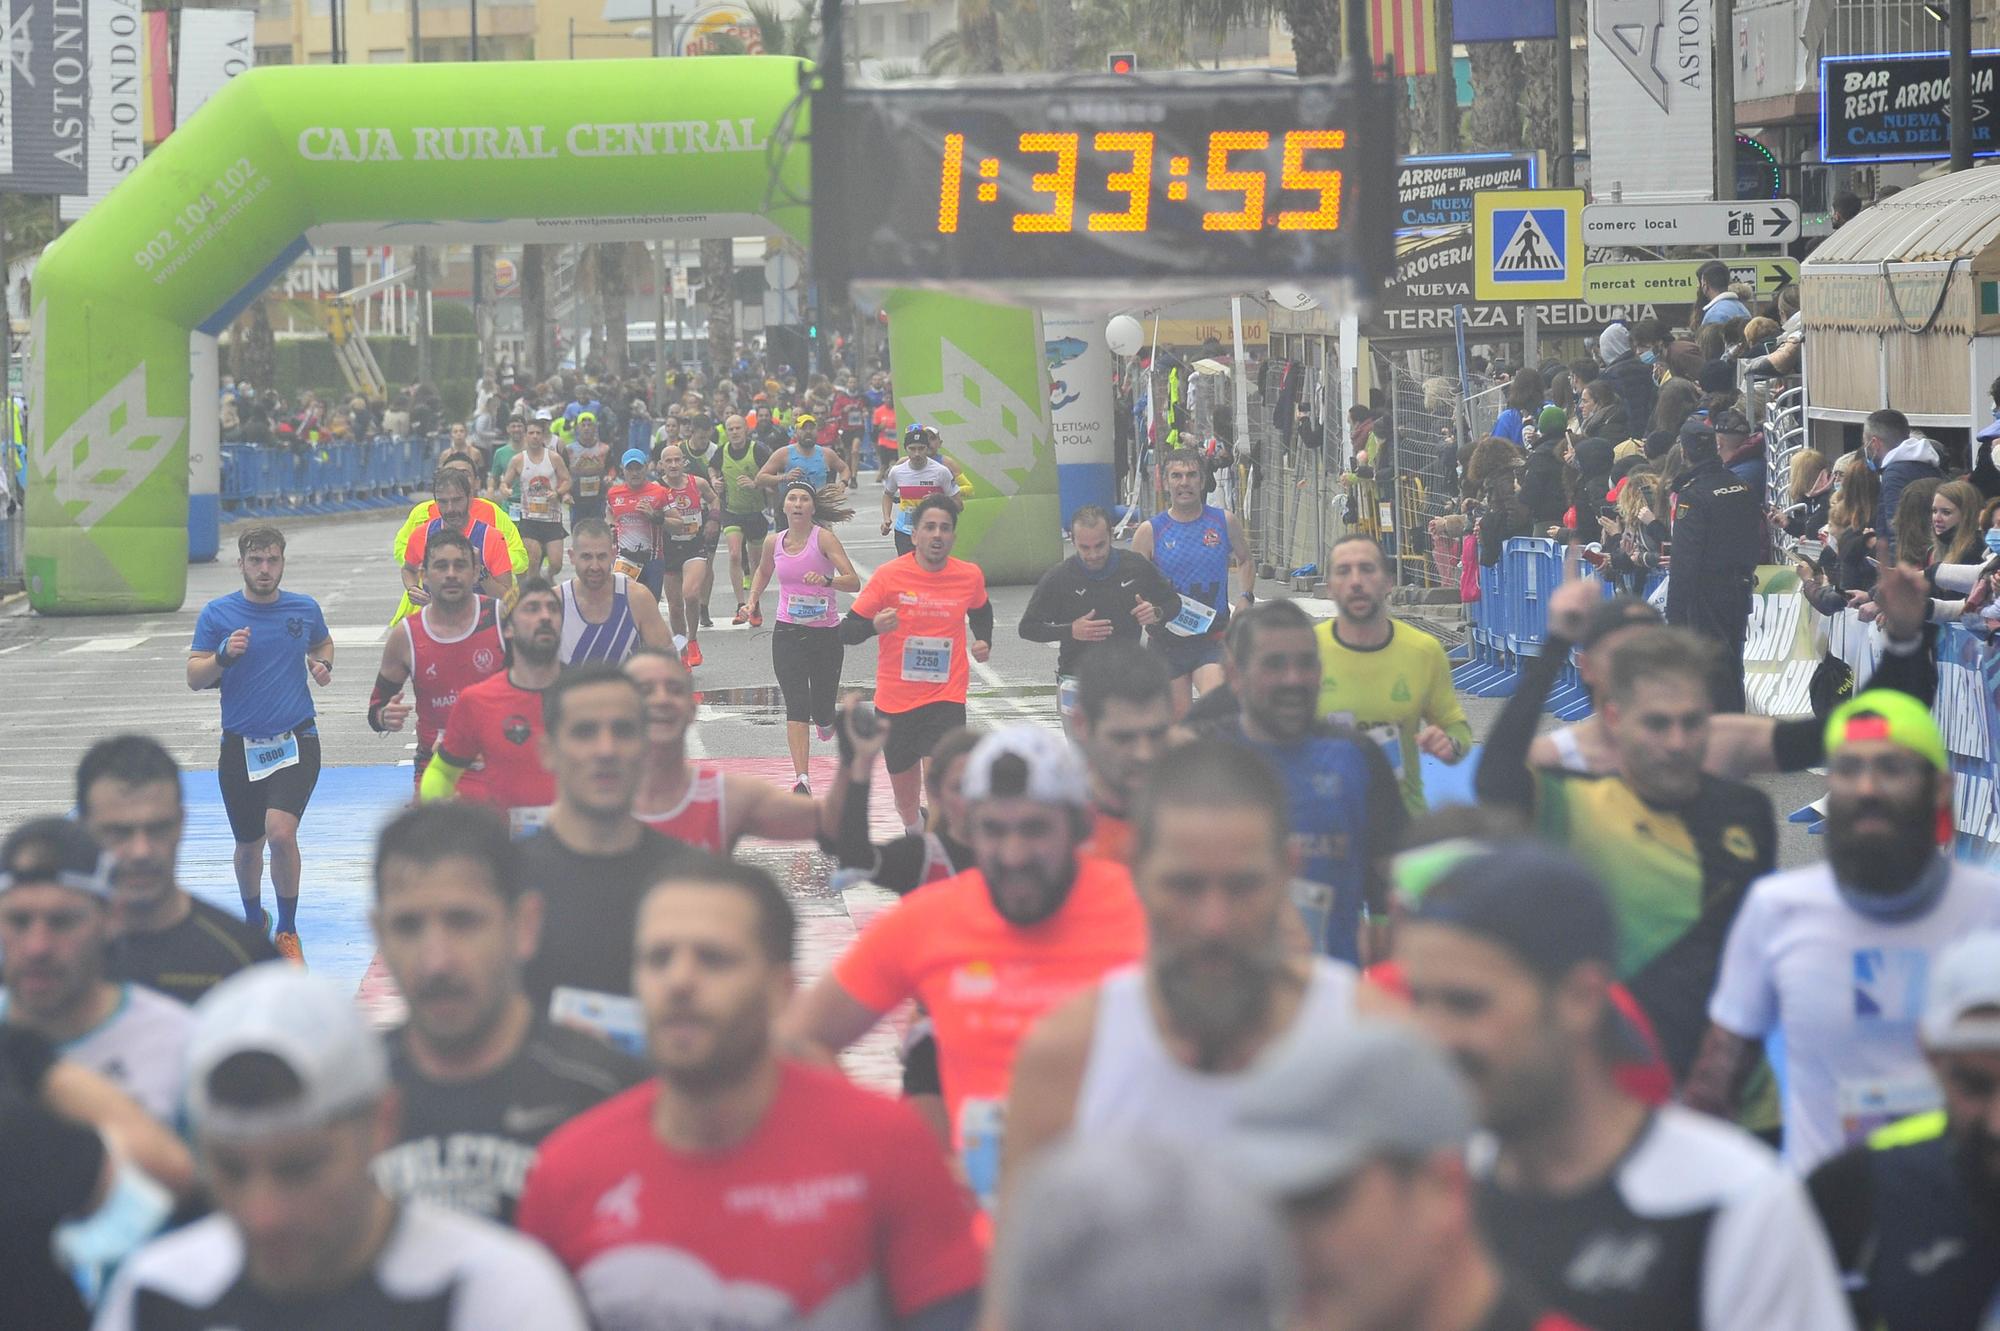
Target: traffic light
1122	62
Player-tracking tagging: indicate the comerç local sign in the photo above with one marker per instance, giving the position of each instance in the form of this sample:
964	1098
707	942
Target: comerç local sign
1896	108
1434	273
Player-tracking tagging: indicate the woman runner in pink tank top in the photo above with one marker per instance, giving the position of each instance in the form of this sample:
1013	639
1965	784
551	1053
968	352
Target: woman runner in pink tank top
811	568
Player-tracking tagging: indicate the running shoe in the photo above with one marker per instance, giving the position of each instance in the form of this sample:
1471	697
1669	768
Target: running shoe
693	654
802	786
742	615
288	947
756	618
825	734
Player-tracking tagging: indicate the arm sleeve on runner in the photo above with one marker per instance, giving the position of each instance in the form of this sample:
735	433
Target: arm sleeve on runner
855	629
441	778
1505	779
385	689
980	618
1036	624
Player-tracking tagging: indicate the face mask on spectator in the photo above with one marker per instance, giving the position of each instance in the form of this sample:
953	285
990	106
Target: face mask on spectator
1993	540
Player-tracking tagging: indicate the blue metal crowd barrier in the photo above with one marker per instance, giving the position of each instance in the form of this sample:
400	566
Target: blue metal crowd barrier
1508	626
260	481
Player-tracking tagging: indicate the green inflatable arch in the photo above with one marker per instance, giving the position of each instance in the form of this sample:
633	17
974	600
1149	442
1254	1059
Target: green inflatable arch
284	159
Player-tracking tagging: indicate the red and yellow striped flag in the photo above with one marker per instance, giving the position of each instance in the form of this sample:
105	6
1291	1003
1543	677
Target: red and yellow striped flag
1403	35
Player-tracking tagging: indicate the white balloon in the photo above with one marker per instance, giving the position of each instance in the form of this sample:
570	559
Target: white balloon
1294	298
1124	334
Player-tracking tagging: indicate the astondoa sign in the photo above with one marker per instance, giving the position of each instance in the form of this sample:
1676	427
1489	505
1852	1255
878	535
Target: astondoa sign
1652	101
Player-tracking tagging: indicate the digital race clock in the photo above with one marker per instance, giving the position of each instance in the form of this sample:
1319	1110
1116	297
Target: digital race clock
1160	186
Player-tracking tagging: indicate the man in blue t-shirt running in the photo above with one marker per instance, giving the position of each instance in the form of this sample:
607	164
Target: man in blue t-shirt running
259	646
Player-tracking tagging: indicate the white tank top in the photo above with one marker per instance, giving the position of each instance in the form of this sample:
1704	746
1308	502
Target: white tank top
538	489
1133	1082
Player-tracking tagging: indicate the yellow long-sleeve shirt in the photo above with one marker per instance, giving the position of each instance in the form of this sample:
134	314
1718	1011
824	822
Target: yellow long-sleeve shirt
1392	692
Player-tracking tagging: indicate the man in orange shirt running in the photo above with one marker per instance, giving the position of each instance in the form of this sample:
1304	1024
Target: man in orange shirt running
920	604
992	950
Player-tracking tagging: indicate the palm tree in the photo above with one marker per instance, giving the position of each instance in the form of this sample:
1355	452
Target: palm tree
535	309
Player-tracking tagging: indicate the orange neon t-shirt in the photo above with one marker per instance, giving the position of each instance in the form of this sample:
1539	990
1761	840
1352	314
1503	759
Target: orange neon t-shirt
985	982
923	659
1111	838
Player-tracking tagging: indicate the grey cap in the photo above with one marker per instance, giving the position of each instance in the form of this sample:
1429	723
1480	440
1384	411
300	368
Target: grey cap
305	1022
1376	1090
1117	1233
1965	979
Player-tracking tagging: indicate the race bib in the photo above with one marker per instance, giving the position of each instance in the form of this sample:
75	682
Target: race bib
613	1018
527	819
628	565
981	1130
261	757
540	506
927	660
808	605
587	486
514	512
1067	691
1193	620
1390	738
1870	1103
1314	902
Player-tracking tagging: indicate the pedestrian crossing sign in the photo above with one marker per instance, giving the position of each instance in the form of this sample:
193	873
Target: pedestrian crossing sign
1527	244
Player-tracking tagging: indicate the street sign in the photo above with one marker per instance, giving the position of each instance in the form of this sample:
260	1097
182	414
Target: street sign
1672	281
1437	191
1896	108
1434	273
1770	222
1527	244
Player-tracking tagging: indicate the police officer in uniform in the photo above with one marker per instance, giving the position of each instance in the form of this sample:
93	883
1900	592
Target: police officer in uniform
1717	534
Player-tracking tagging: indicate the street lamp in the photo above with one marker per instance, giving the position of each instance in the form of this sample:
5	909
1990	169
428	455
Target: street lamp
615	32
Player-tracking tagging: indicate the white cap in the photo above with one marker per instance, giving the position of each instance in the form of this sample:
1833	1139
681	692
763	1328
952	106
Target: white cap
306	1023
1965	978
545	415
1055	773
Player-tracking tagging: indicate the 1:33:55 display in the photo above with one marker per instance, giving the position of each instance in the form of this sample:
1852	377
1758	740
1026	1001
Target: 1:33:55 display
1136	180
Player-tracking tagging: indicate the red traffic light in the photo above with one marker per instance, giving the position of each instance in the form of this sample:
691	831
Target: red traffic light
1122	62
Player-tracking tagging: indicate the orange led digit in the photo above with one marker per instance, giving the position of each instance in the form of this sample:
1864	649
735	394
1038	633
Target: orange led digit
948	183
1138	182
1326	217
1221	179
1059	183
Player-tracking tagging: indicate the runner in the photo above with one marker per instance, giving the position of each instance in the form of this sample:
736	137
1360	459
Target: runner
1041	922
687	522
491	512
882	421
1347	814
494	565
812	570
700	805
1220	1015
480	1076
590	470
636	505
1622	1214
602	619
1836	956
850	413
494	729
738	1188
1676	847
55	939
1384	678
128	796
594	859
1195	546
920	604
259	646
1365	1148
1100	594
745	521
541	477
803	459
1124	715
448	646
288	1098
703	452
508	497
1911	1212
917	475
